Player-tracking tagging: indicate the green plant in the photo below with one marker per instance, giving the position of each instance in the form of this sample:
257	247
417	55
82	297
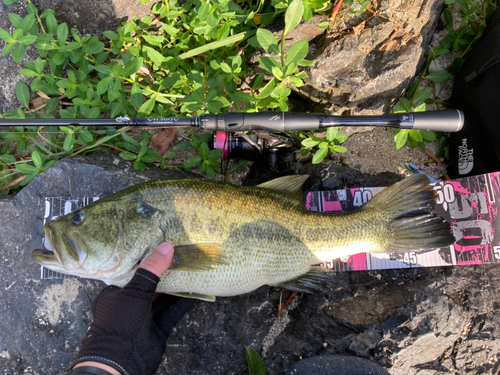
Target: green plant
255	363
459	41
330	143
207	159
188	60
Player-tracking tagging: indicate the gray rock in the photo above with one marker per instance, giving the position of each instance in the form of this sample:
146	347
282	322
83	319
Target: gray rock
363	344
95	16
364	71
43	321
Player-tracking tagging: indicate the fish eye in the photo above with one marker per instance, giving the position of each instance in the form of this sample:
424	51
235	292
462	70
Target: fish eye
78	218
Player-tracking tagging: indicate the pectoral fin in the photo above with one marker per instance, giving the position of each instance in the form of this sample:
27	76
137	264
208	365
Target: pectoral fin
199	257
309	282
202	297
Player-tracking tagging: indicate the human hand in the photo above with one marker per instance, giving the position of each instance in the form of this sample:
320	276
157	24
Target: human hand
129	332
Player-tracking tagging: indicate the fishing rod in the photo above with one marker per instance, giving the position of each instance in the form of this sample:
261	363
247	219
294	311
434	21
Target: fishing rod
446	121
250	135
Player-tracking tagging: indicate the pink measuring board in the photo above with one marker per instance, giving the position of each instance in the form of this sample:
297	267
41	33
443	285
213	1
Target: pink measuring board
469	204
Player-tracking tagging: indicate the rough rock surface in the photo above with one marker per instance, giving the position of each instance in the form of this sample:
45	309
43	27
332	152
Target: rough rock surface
95	16
415	321
43	322
365	66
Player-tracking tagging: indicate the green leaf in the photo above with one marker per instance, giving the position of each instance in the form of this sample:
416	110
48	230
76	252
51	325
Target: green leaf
331	133
267	63
239	166
58	58
8	159
28	73
420	108
204	150
268	89
37	159
111	35
86	136
62	33
103	85
8	2
51	105
428	136
310	143
401	137
203	11
23	94
18	53
8	47
192	162
267	40
323	25
27	39
147	107
16	20
139	165
28	22
136	97
127	155
297	52
69	141
320	155
405	103
39	64
293	15
277	72
415	134
6	36
26	168
210	171
215	154
225	68
337	148
154	55
116	109
51	24
132	66
423	95
221	43
441	76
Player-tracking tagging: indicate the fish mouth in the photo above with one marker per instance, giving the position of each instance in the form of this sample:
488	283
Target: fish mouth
64	256
47	259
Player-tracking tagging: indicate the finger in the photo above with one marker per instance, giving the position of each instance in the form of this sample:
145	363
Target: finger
160	259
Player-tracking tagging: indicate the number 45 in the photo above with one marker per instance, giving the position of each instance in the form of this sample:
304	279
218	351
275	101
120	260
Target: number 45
410	258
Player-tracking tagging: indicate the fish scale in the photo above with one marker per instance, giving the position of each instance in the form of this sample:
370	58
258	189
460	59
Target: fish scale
231	240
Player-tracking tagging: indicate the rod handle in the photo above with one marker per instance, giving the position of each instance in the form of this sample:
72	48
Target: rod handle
445	121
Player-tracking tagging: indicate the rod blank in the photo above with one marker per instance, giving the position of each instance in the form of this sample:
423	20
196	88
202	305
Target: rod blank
448	121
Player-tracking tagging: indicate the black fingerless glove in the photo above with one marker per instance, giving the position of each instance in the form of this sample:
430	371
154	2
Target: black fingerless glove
129	333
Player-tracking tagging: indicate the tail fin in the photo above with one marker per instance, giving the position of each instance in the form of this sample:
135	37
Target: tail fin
407	206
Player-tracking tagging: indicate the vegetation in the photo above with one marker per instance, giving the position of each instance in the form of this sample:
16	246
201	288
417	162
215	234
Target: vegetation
186	60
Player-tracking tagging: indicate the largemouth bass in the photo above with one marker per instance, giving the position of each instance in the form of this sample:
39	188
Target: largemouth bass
231	240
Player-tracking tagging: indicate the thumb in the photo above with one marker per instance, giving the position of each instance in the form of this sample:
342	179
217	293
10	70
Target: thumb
160	259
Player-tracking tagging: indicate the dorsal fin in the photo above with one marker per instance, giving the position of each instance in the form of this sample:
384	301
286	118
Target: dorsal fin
290	185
